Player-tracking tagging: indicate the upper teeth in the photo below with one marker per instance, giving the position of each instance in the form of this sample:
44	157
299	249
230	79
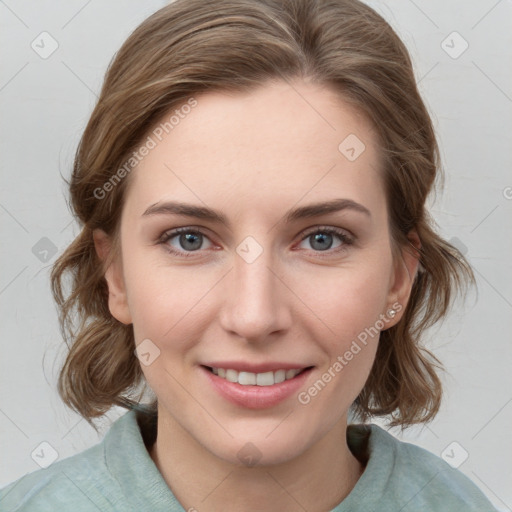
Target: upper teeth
256	379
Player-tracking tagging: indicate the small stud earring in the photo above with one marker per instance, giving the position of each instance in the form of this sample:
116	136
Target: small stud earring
392	313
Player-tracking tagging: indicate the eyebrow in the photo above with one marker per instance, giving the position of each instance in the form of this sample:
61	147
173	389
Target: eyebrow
303	212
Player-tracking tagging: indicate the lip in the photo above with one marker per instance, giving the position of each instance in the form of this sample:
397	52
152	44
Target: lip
256	397
255	368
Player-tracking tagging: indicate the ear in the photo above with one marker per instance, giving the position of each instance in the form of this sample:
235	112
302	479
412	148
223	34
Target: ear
404	273
117	298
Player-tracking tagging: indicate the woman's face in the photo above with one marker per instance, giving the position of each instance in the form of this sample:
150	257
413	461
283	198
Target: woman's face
258	281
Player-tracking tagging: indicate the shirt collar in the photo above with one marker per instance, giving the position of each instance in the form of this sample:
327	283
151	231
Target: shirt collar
130	464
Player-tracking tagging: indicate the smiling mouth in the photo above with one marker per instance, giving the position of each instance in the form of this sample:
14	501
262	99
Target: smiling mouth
256	379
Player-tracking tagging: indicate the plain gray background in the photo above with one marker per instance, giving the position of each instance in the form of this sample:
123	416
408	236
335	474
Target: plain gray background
46	101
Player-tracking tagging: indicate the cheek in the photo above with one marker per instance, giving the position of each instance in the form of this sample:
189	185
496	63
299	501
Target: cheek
347	328
166	304
346	324
160	308
346	301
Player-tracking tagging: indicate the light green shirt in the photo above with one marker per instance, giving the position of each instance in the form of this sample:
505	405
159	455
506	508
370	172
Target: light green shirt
118	474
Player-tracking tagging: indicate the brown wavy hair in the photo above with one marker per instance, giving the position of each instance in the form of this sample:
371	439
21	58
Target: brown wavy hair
193	46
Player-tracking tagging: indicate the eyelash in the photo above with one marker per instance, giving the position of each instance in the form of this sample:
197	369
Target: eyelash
345	238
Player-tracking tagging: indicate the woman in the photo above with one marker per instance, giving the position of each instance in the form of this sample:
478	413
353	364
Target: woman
255	247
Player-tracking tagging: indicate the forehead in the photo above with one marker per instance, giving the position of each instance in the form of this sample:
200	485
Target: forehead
281	143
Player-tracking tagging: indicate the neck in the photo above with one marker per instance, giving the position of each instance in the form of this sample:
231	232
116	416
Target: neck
318	479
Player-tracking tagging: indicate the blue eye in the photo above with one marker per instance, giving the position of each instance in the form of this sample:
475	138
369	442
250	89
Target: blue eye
321	239
190	240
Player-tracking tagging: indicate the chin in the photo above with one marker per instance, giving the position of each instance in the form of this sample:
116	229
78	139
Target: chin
262	447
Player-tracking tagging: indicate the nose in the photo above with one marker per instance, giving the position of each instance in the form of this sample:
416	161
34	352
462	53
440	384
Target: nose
257	300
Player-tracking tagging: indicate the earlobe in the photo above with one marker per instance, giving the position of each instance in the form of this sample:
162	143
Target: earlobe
117	297
405	270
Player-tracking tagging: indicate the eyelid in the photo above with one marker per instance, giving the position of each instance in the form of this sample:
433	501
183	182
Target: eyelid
170	233
203	231
329	229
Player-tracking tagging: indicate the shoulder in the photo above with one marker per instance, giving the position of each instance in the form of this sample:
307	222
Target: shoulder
420	480
82	481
